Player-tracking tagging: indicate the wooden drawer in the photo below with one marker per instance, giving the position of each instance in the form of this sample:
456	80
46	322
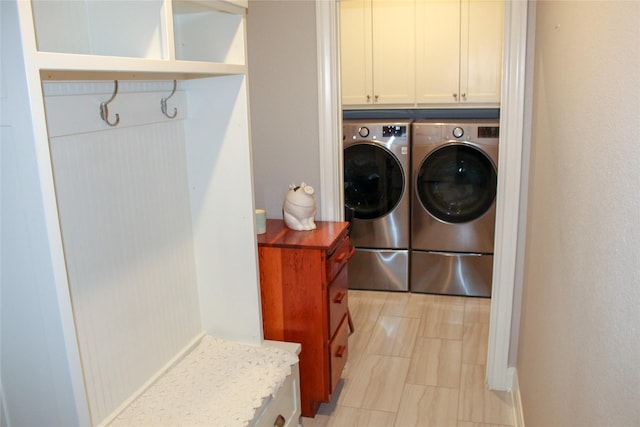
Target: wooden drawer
339	352
339	258
338	300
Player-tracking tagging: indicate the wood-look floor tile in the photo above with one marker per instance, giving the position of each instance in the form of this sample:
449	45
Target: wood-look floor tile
472	424
474	343
376	383
364	308
427	406
477	403
436	362
451	299
442	320
317	421
365	305
358	342
357	417
393	336
403	304
477	310
448	354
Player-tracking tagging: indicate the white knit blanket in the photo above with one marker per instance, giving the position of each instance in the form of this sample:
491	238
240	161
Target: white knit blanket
219	383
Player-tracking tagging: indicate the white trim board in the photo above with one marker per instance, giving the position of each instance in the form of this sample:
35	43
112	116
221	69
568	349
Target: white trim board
330	114
499	376
518	415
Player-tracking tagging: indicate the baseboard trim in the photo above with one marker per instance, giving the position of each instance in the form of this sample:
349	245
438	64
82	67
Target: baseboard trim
518	416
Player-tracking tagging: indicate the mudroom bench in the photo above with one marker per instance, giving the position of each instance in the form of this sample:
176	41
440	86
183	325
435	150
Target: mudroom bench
221	383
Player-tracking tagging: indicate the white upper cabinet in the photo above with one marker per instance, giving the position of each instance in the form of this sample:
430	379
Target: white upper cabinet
356	51
458	51
437	51
481	51
377	45
421	53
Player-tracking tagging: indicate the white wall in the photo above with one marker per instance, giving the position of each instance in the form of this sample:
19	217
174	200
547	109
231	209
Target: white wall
580	336
281	39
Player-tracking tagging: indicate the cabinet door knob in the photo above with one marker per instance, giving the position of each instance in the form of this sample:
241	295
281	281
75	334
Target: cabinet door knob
463	95
339	297
376	98
368	98
340	351
455	96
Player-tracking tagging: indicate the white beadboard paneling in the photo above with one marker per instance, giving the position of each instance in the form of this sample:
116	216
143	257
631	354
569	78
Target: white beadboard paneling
126	226
83	87
75	108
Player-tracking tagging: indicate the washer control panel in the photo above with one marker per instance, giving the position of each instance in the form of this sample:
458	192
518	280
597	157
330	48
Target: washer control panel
393	130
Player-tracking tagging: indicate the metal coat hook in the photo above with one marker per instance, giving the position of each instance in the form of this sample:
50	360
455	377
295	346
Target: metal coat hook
104	110
163	103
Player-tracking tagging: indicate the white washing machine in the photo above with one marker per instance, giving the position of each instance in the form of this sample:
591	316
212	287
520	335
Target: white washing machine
376	193
454	177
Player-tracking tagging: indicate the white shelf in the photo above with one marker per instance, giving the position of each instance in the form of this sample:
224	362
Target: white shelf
204	33
179	38
102	27
67	66
197	6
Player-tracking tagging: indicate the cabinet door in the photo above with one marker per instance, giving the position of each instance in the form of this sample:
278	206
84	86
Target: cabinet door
437	51
481	51
355	55
393	25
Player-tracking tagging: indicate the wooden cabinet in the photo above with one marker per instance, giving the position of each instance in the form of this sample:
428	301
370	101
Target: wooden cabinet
303	281
377	52
458	52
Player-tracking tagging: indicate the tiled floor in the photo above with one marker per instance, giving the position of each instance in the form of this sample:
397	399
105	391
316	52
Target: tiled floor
416	360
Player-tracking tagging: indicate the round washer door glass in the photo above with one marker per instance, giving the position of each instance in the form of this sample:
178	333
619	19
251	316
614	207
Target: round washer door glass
456	183
373	180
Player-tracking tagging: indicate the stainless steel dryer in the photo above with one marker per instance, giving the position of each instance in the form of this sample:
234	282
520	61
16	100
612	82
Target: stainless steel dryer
453	207
376	195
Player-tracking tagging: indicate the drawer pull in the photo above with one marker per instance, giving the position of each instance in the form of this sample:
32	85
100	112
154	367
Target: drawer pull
339	297
346	255
280	421
340	351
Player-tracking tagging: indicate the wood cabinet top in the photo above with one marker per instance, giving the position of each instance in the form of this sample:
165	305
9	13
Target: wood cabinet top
326	234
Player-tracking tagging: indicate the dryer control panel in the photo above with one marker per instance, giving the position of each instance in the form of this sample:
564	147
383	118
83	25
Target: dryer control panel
488	131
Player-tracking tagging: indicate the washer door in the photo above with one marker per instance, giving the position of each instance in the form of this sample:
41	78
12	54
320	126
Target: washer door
456	183
373	180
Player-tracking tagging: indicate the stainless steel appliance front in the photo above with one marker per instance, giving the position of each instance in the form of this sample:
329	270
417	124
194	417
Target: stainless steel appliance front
453	207
376	192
